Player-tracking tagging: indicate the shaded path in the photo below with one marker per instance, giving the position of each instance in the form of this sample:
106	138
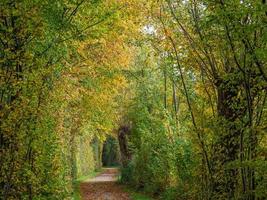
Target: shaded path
103	187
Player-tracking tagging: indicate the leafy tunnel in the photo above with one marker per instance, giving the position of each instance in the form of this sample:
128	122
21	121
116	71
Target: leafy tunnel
173	93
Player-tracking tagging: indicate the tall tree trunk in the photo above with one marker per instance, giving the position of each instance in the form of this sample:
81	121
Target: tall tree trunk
227	146
123	142
73	159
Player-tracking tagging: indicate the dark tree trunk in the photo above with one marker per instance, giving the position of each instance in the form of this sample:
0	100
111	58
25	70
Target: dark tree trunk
123	142
227	146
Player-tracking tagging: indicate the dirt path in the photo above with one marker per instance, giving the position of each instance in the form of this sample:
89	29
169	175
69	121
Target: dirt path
103	187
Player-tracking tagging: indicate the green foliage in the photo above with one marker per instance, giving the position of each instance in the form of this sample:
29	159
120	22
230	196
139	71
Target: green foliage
110	154
49	132
195	118
193	90
162	160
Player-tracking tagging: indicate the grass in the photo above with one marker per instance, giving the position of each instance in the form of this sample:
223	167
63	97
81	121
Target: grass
137	195
76	193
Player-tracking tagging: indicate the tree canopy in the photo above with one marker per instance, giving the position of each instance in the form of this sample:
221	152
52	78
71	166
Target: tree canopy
180	86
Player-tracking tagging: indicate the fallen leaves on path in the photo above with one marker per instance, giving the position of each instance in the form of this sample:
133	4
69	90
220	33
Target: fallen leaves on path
103	187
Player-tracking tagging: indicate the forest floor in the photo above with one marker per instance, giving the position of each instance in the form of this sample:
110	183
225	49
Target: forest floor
104	187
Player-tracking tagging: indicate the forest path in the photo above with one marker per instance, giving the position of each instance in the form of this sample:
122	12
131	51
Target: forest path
104	187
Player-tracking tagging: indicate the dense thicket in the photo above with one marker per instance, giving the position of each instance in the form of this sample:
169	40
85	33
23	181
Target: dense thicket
60	78
198	119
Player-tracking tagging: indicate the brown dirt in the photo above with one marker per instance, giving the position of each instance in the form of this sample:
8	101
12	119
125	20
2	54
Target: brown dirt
103	187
